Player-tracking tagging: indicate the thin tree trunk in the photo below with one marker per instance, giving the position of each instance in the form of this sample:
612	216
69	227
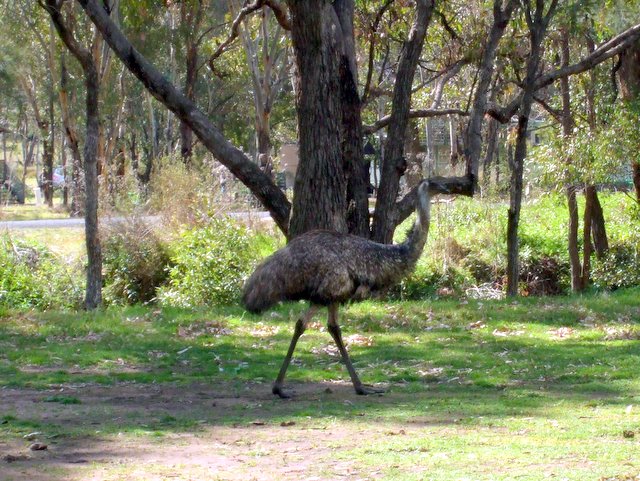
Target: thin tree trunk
537	22
598	229
357	169
93	297
629	75
71	134
574	252
393	162
186	134
93	293
587	246
570	188
474	129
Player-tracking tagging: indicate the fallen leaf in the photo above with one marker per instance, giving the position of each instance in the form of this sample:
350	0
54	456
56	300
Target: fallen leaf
562	332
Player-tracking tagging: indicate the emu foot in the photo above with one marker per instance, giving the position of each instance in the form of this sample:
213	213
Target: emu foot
280	392
363	390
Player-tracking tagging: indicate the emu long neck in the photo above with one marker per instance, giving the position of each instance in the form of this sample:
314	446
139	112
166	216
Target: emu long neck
418	234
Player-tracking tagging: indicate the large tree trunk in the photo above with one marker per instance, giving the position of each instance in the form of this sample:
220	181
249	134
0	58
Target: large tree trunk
320	187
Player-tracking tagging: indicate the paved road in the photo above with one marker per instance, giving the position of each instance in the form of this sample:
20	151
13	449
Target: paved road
66	223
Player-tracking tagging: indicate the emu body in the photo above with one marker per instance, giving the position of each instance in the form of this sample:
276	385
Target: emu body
329	268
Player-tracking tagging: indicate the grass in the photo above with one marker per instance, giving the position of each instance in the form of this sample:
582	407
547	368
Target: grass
30	211
528	389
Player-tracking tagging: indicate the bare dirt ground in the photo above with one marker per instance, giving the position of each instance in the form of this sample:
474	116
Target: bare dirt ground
235	433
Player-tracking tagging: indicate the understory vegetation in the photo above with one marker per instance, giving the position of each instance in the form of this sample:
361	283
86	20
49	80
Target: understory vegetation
205	262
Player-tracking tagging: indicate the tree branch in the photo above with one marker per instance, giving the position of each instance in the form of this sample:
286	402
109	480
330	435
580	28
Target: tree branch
606	51
235	29
413	114
438	185
164	91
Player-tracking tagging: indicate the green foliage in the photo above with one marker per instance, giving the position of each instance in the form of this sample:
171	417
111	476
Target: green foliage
210	264
32	277
467	247
135	262
621	265
619	268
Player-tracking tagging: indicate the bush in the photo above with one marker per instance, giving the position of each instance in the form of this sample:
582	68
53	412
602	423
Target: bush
620	267
135	262
210	265
543	276
32	277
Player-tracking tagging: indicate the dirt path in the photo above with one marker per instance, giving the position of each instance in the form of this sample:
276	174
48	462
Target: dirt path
177	433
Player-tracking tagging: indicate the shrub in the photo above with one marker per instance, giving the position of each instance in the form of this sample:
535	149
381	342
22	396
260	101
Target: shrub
620	267
543	276
135	262
210	265
32	277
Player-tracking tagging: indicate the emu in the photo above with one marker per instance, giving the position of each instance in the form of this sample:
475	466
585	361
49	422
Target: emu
328	269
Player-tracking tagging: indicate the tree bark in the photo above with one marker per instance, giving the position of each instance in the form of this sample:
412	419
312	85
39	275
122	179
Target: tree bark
537	22
474	129
357	169
393	162
93	293
93	296
320	187
629	75
570	188
71	134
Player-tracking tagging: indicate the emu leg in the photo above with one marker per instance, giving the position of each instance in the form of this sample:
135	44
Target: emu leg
301	326
336	333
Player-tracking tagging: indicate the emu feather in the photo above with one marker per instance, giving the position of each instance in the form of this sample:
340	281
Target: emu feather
329	268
